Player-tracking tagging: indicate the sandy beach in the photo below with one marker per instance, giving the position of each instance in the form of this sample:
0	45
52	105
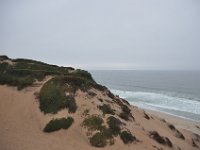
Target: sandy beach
179	122
22	123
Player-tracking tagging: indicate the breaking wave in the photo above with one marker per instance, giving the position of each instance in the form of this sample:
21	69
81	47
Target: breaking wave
160	101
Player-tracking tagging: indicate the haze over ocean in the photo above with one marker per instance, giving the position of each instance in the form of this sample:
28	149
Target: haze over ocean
174	92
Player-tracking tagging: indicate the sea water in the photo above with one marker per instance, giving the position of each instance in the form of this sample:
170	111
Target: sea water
173	92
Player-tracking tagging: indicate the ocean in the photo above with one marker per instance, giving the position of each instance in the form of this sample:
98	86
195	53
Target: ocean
173	92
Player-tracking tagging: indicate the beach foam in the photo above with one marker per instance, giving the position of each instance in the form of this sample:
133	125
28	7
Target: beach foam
163	102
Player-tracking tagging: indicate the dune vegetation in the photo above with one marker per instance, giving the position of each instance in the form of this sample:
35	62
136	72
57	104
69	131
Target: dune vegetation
57	124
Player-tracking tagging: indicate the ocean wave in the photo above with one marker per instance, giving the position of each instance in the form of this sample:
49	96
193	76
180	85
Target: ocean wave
160	100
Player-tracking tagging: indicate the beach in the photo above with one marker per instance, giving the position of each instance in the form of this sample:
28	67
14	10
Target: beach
179	122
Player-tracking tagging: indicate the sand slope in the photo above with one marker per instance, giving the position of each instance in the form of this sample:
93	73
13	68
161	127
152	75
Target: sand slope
21	125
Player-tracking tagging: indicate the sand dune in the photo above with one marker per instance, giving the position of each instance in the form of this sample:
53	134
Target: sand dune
22	123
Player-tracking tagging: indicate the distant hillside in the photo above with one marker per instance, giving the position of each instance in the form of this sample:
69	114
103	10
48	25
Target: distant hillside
49	102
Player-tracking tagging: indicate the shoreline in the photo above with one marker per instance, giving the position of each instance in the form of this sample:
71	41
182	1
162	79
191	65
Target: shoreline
179	122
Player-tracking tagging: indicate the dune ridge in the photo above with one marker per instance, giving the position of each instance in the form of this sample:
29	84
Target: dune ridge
22	122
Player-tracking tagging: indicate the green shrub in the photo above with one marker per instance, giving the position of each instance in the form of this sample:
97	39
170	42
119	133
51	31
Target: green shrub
53	98
168	142
171	126
126	112
194	144
93	122
24	72
77	82
92	94
100	99
125	101
101	138
24	82
4	67
107	133
86	112
160	139
22	69
57	124
13	78
126	109
178	133
156	136
114	125
98	140
4	57
106	109
71	104
127	137
52	95
124	116
99	87
146	116
111	95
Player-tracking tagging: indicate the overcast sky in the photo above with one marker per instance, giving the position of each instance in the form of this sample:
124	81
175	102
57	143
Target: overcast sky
103	34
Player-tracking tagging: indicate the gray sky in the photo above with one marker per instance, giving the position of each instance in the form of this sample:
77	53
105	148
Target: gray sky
103	34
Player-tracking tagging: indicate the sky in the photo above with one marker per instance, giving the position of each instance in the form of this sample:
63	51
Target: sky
103	34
